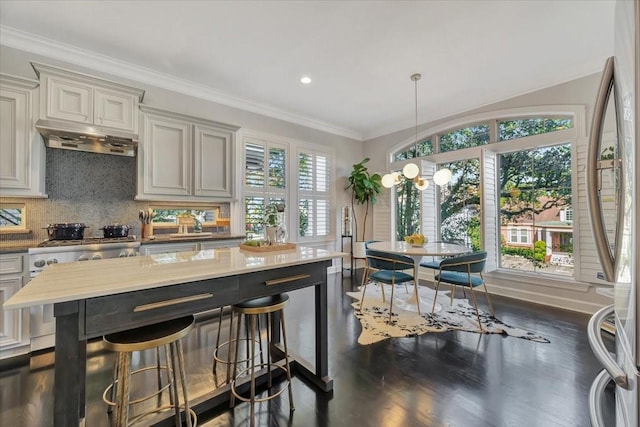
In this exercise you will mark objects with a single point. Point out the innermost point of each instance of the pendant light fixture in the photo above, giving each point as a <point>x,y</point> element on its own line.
<point>411,171</point>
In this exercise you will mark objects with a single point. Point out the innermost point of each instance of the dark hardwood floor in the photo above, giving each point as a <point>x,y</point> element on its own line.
<point>437,379</point>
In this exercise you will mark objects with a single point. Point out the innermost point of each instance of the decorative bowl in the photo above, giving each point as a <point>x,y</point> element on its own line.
<point>415,241</point>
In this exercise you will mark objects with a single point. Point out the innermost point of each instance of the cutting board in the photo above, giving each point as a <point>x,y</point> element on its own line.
<point>272,248</point>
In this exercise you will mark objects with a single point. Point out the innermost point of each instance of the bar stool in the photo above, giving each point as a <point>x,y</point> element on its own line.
<point>251,310</point>
<point>230,359</point>
<point>164,335</point>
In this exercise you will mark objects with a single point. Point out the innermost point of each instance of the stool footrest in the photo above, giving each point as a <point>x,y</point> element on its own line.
<point>258,368</point>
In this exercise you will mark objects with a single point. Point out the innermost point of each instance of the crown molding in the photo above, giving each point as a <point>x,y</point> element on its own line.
<point>35,44</point>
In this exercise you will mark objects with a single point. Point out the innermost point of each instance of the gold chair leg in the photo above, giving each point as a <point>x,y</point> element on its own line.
<point>486,292</point>
<point>475,304</point>
<point>489,300</point>
<point>364,286</point>
<point>393,285</point>
<point>416,283</point>
<point>435,298</point>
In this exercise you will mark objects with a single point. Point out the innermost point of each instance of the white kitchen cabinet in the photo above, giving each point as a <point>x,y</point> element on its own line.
<point>164,248</point>
<point>217,244</point>
<point>22,162</point>
<point>212,161</point>
<point>184,158</point>
<point>81,98</point>
<point>14,327</point>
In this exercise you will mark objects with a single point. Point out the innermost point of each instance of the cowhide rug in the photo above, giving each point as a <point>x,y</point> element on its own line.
<point>406,322</point>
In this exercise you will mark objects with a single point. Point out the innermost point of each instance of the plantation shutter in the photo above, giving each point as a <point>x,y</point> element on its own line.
<point>382,228</point>
<point>313,194</point>
<point>489,208</point>
<point>430,212</point>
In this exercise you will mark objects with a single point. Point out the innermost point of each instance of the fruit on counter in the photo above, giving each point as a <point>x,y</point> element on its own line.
<point>415,239</point>
<point>256,243</point>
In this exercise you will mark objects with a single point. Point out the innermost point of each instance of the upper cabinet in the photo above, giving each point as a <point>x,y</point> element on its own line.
<point>184,158</point>
<point>81,98</point>
<point>23,153</point>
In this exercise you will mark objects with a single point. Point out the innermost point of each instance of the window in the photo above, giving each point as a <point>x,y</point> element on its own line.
<point>512,129</point>
<point>422,148</point>
<point>566,215</point>
<point>213,217</point>
<point>265,182</point>
<point>314,219</point>
<point>466,137</point>
<point>529,179</point>
<point>518,235</point>
<point>460,204</point>
<point>407,210</point>
<point>535,191</point>
<point>12,216</point>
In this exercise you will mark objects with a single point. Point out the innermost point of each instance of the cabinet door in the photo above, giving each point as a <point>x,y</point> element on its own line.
<point>14,324</point>
<point>14,138</point>
<point>212,161</point>
<point>217,244</point>
<point>116,110</point>
<point>69,100</point>
<point>169,249</point>
<point>166,156</point>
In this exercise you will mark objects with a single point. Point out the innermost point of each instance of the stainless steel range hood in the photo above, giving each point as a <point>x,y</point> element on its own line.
<point>74,136</point>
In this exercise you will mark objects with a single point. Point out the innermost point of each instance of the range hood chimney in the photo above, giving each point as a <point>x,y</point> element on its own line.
<point>92,139</point>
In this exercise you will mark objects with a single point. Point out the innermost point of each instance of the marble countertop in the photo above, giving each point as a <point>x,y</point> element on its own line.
<point>80,280</point>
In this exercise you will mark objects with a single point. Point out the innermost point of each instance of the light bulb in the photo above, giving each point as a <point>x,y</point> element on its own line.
<point>442,177</point>
<point>388,180</point>
<point>421,184</point>
<point>410,170</point>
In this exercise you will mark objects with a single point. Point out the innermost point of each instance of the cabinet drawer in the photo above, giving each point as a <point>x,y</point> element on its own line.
<point>270,282</point>
<point>10,264</point>
<point>133,309</point>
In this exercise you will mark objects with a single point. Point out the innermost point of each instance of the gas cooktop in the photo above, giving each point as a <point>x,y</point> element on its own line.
<point>86,241</point>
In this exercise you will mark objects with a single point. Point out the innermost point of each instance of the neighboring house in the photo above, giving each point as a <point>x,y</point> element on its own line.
<point>554,226</point>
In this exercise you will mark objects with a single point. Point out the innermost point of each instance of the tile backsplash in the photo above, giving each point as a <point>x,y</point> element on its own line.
<point>95,189</point>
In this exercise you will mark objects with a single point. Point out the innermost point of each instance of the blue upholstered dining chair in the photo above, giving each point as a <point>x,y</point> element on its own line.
<point>434,264</point>
<point>389,269</point>
<point>465,271</point>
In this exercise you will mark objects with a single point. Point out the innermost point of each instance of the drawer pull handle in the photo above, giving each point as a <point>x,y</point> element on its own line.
<point>169,302</point>
<point>287,279</point>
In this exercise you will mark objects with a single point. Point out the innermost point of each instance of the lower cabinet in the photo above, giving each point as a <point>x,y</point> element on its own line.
<point>14,326</point>
<point>163,248</point>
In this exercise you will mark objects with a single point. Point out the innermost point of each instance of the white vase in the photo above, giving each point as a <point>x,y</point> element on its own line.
<point>271,233</point>
<point>359,250</point>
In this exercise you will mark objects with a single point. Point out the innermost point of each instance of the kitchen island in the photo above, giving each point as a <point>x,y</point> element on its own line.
<point>95,298</point>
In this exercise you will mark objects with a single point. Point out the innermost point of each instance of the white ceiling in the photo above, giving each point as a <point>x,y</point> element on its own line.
<point>360,54</point>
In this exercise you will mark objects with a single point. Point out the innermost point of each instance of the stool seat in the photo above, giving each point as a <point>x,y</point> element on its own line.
<point>263,304</point>
<point>150,336</point>
<point>164,335</point>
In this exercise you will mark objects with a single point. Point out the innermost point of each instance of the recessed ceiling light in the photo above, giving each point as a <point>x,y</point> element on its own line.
<point>305,80</point>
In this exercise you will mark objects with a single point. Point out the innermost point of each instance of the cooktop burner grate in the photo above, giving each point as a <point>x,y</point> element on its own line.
<point>86,241</point>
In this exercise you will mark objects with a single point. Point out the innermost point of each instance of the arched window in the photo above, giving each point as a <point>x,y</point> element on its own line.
<point>518,166</point>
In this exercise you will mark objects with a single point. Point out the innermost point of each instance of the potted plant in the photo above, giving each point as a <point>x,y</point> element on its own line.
<point>364,188</point>
<point>274,223</point>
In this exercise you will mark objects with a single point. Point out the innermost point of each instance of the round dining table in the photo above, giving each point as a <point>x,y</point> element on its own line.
<point>417,252</point>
